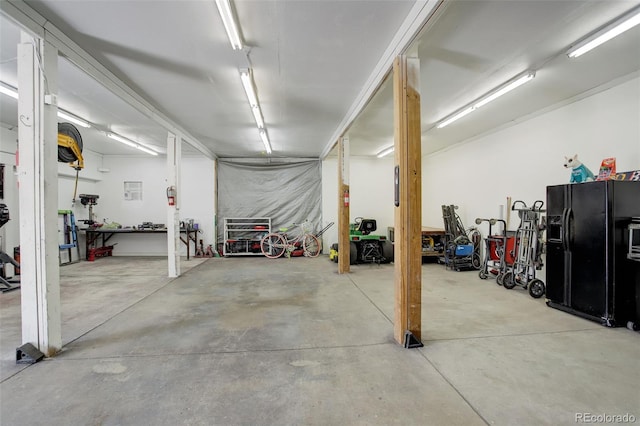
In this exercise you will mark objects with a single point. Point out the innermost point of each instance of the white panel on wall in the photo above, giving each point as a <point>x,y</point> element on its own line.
<point>522,160</point>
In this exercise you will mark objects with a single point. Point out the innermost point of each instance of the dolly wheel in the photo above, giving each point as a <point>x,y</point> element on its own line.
<point>482,274</point>
<point>500,279</point>
<point>475,261</point>
<point>508,281</point>
<point>536,288</point>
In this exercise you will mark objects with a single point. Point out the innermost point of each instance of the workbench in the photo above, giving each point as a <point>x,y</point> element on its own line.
<point>432,240</point>
<point>94,234</point>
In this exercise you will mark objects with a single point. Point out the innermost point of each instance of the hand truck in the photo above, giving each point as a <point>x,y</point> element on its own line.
<point>494,264</point>
<point>528,250</point>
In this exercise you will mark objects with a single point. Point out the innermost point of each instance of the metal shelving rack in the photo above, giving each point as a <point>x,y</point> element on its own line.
<point>242,235</point>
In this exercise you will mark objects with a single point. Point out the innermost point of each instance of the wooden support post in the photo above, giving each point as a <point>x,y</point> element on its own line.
<point>408,210</point>
<point>38,194</point>
<point>344,246</point>
<point>174,145</point>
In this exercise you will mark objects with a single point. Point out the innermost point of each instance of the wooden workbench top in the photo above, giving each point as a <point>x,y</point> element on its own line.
<point>426,230</point>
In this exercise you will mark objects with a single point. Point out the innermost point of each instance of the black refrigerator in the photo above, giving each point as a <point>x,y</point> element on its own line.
<point>587,270</point>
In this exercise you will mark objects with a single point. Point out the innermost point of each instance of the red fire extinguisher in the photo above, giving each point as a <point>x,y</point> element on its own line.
<point>346,198</point>
<point>171,195</point>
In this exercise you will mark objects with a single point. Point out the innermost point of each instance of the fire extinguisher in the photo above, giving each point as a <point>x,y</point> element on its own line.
<point>346,198</point>
<point>171,195</point>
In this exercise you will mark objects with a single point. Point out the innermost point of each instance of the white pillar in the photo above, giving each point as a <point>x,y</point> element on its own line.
<point>215,206</point>
<point>174,157</point>
<point>38,194</point>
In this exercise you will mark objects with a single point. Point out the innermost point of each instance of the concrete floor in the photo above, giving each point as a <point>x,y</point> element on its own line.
<point>253,341</point>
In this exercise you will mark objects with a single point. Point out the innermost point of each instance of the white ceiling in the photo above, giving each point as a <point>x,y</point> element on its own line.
<point>311,59</point>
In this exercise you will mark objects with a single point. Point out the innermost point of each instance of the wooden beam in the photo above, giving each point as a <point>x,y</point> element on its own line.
<point>38,194</point>
<point>344,245</point>
<point>408,210</point>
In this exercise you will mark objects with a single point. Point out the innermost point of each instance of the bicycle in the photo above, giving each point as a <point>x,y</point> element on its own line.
<point>276,244</point>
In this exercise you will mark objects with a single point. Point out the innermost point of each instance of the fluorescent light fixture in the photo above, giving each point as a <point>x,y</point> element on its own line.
<point>121,139</point>
<point>8,90</point>
<point>230,25</point>
<point>257,114</point>
<point>249,88</point>
<point>265,140</point>
<point>386,151</point>
<point>606,33</point>
<point>66,116</point>
<point>507,87</point>
<point>517,81</point>
<point>455,117</point>
<point>147,150</point>
<point>130,143</point>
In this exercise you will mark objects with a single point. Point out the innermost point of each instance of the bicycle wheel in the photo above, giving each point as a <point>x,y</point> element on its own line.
<point>311,245</point>
<point>273,245</point>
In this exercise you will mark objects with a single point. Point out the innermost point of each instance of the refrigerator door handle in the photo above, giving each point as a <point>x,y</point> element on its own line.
<point>565,229</point>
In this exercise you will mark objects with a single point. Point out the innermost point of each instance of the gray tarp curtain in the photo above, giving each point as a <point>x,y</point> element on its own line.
<point>286,192</point>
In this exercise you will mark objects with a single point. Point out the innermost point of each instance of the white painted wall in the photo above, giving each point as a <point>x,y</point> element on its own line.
<point>196,198</point>
<point>371,190</point>
<point>522,160</point>
<point>518,161</point>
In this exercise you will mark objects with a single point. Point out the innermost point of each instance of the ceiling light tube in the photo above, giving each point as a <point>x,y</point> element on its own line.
<point>121,139</point>
<point>147,150</point>
<point>8,90</point>
<point>265,140</point>
<point>257,114</point>
<point>230,25</point>
<point>386,151</point>
<point>66,116</point>
<point>507,87</point>
<point>455,117</point>
<point>130,143</point>
<point>249,88</point>
<point>517,81</point>
<point>606,33</point>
